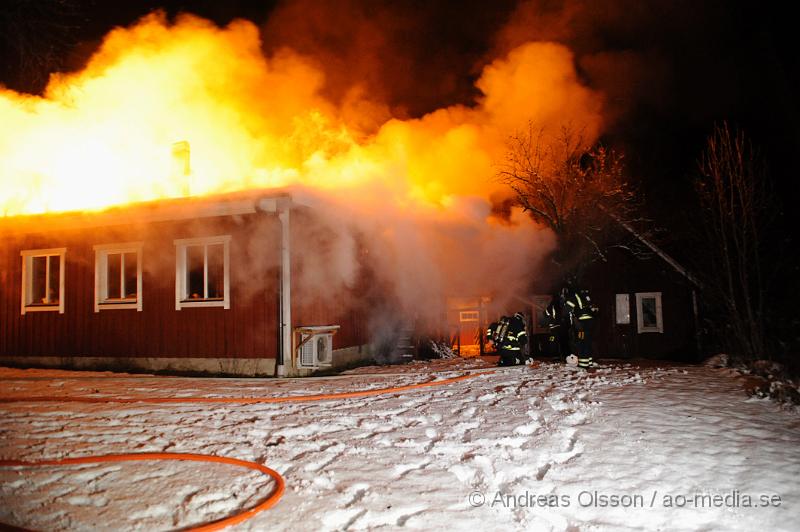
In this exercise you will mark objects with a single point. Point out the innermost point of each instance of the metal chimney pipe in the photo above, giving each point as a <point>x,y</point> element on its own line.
<point>181,165</point>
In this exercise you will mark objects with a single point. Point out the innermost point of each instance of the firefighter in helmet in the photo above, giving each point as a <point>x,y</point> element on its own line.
<point>582,314</point>
<point>558,325</point>
<point>511,340</point>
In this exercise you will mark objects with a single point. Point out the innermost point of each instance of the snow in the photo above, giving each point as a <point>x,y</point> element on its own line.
<point>522,448</point>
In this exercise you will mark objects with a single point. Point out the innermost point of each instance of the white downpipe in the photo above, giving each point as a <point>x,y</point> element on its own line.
<point>286,294</point>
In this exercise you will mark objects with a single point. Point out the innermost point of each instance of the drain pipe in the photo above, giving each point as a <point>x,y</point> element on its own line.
<point>281,206</point>
<point>285,355</point>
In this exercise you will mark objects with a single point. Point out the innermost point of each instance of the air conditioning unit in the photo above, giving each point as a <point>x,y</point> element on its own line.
<point>316,350</point>
<point>313,345</point>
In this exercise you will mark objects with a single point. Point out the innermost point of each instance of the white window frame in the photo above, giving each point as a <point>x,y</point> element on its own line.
<point>101,253</point>
<point>622,309</point>
<point>27,281</point>
<point>469,315</point>
<point>180,271</point>
<point>641,328</point>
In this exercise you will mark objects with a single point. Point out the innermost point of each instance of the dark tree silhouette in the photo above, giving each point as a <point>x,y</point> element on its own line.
<point>580,192</point>
<point>738,207</point>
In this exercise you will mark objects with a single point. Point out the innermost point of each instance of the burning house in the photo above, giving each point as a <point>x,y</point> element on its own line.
<point>215,285</point>
<point>184,108</point>
<point>242,283</point>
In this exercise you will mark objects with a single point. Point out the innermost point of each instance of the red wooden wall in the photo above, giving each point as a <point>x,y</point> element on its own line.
<point>328,299</point>
<point>248,329</point>
<point>625,275</point>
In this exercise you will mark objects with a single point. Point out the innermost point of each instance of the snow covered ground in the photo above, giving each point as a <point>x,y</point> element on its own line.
<point>544,448</point>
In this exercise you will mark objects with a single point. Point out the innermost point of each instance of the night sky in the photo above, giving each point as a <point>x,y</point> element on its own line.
<point>669,69</point>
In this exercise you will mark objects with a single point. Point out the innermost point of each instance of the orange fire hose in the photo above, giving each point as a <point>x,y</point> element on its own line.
<point>237,400</point>
<point>270,501</point>
<point>276,493</point>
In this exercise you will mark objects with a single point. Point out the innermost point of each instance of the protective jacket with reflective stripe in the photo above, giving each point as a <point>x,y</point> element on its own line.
<point>512,333</point>
<point>580,305</point>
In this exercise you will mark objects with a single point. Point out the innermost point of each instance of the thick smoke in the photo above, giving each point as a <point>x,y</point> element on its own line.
<point>419,195</point>
<point>403,58</point>
<point>660,57</point>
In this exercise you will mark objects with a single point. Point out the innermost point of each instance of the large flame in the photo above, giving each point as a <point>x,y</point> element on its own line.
<point>187,109</point>
<point>107,135</point>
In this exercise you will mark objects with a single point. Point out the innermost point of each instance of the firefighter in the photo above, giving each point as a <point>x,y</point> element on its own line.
<point>491,331</point>
<point>582,313</point>
<point>519,322</point>
<point>557,322</point>
<point>511,340</point>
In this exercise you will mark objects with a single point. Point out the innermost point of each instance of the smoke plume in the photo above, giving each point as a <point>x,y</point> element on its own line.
<point>420,192</point>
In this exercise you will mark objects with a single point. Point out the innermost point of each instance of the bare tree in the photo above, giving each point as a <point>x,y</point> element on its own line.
<point>737,202</point>
<point>580,192</point>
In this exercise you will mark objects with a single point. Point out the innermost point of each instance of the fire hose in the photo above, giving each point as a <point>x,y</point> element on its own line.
<point>279,488</point>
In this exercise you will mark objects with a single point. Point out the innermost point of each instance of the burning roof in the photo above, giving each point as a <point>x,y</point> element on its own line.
<point>174,109</point>
<point>168,209</point>
<point>106,135</point>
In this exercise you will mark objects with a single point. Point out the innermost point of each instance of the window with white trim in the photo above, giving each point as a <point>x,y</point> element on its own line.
<point>118,276</point>
<point>623,309</point>
<point>468,315</point>
<point>648,312</point>
<point>202,272</point>
<point>43,280</point>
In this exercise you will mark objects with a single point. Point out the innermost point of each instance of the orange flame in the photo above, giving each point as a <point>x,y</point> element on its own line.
<point>107,135</point>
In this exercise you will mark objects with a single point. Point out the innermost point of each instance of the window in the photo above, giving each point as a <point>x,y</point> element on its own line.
<point>648,312</point>
<point>202,272</point>
<point>468,315</point>
<point>43,280</point>
<point>118,276</point>
<point>623,309</point>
